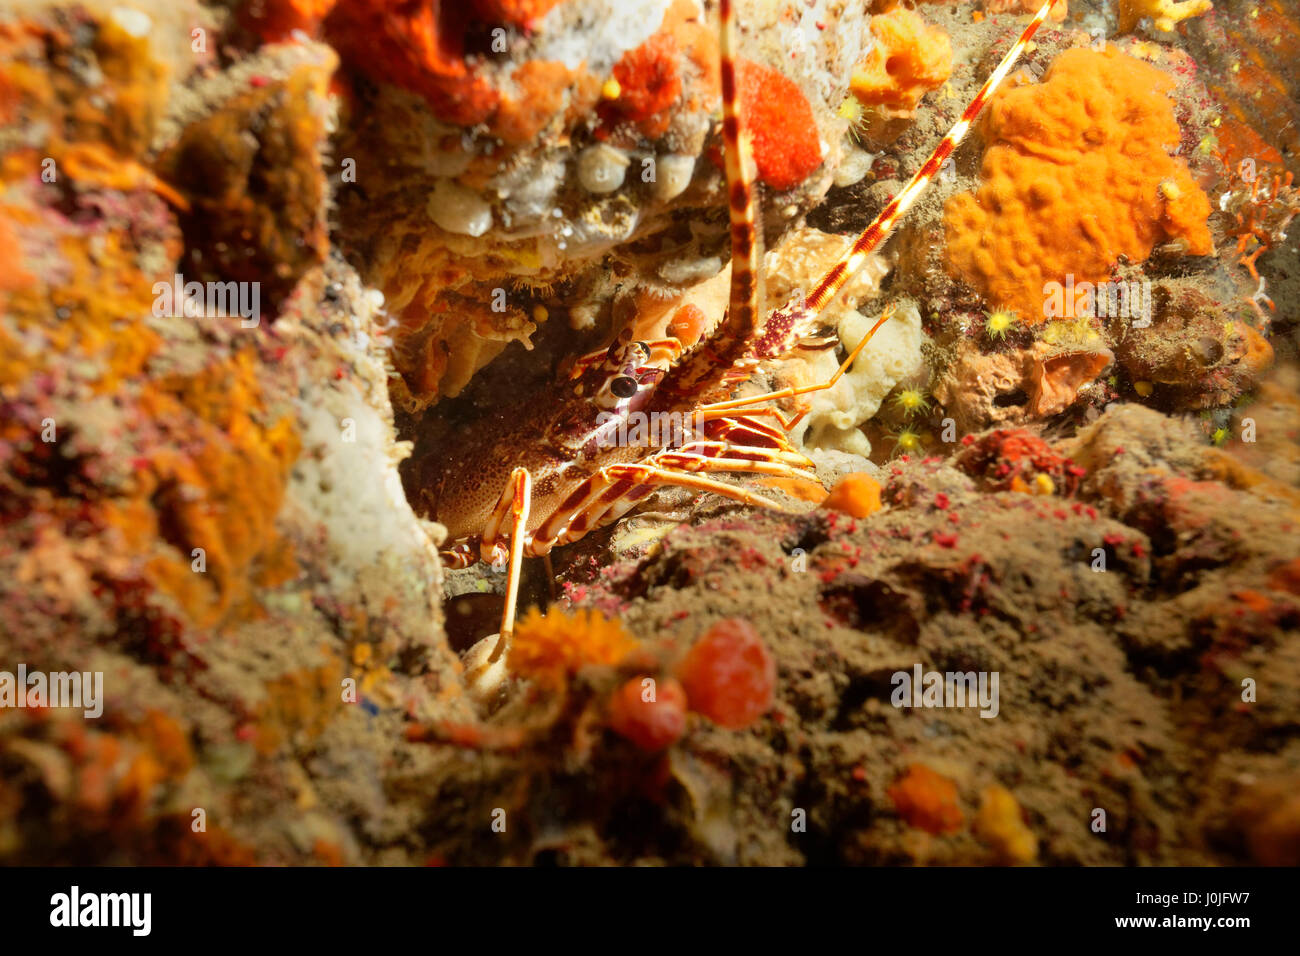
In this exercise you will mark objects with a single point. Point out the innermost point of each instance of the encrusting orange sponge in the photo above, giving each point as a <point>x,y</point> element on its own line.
<point>910,57</point>
<point>1164,14</point>
<point>1077,173</point>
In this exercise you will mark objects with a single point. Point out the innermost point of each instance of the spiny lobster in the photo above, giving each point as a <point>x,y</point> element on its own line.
<point>561,474</point>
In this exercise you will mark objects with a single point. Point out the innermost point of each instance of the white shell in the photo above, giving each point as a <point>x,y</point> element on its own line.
<point>857,163</point>
<point>133,22</point>
<point>672,175</point>
<point>459,210</point>
<point>601,168</point>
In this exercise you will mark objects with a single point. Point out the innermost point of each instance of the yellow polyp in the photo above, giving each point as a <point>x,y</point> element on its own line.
<point>540,314</point>
<point>1170,191</point>
<point>1144,388</point>
<point>1001,826</point>
<point>1043,485</point>
<point>611,90</point>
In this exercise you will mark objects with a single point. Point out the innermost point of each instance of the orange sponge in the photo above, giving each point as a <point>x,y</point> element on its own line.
<point>1077,173</point>
<point>910,57</point>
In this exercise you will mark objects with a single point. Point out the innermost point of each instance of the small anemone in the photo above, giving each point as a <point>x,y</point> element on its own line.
<point>907,441</point>
<point>911,401</point>
<point>999,322</point>
<point>853,111</point>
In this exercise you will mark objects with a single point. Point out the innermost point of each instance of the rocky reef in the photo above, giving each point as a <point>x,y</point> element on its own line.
<point>265,264</point>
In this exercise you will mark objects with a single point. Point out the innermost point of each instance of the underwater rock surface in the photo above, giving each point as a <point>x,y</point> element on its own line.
<point>265,265</point>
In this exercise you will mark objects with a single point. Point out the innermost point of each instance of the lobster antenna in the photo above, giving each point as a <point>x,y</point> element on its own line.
<point>729,340</point>
<point>878,231</point>
<point>742,311</point>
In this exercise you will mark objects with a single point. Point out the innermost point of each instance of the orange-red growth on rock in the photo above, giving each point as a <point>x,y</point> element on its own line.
<point>1077,173</point>
<point>650,81</point>
<point>910,57</point>
<point>274,20</point>
<point>926,800</point>
<point>729,674</point>
<point>650,714</point>
<point>418,46</point>
<point>1014,459</point>
<point>787,145</point>
<point>856,495</point>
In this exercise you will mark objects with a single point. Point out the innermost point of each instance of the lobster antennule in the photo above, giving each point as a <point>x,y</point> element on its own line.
<point>878,231</point>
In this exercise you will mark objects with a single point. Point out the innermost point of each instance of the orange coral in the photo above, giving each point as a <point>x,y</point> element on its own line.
<point>910,57</point>
<point>554,646</point>
<point>647,81</point>
<point>1263,202</point>
<point>541,85</point>
<point>1076,175</point>
<point>927,800</point>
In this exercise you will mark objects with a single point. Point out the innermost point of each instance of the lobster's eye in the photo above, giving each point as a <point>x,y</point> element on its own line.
<point>624,386</point>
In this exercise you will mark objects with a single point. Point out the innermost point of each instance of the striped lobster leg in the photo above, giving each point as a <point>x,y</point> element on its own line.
<point>515,504</point>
